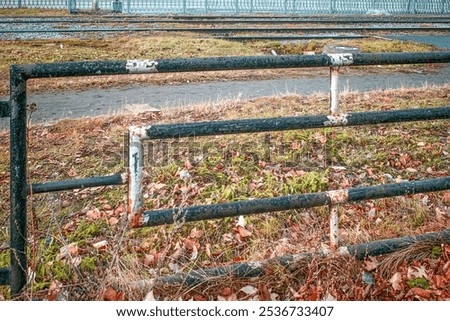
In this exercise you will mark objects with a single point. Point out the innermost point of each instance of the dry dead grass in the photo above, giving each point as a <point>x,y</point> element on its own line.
<point>159,46</point>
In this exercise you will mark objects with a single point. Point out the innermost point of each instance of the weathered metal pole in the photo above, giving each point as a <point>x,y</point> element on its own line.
<point>117,179</point>
<point>18,180</point>
<point>339,56</point>
<point>290,202</point>
<point>135,164</point>
<point>254,269</point>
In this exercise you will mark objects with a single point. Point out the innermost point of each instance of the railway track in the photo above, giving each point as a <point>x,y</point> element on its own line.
<point>232,30</point>
<point>239,28</point>
<point>234,19</point>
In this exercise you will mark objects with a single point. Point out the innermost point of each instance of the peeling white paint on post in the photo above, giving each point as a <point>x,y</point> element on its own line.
<point>334,90</point>
<point>337,60</point>
<point>135,164</point>
<point>340,59</point>
<point>336,197</point>
<point>141,66</point>
<point>334,227</point>
<point>337,120</point>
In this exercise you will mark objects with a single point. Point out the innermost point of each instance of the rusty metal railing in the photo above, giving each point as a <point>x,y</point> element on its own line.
<point>15,108</point>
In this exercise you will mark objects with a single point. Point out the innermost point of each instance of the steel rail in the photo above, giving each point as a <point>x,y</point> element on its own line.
<point>226,30</point>
<point>225,21</point>
<point>258,268</point>
<point>283,203</point>
<point>121,67</point>
<point>287,37</point>
<point>241,126</point>
<point>117,179</point>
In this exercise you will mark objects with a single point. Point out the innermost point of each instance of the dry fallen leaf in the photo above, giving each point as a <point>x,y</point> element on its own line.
<point>249,290</point>
<point>422,292</point>
<point>150,260</point>
<point>226,291</point>
<point>72,172</point>
<point>119,210</point>
<point>195,233</point>
<point>396,281</point>
<point>194,254</point>
<point>113,221</point>
<point>66,251</point>
<point>191,244</point>
<point>110,294</point>
<point>416,272</point>
<point>243,232</point>
<point>371,263</point>
<point>93,214</point>
<point>53,291</point>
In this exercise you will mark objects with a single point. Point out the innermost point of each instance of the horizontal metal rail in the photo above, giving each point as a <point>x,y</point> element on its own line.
<point>290,123</point>
<point>258,268</point>
<point>117,179</point>
<point>4,276</point>
<point>290,202</point>
<point>225,30</point>
<point>121,67</point>
<point>288,37</point>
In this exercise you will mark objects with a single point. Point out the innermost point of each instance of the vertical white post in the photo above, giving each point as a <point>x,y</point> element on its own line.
<point>334,107</point>
<point>336,198</point>
<point>334,90</point>
<point>334,227</point>
<point>135,164</point>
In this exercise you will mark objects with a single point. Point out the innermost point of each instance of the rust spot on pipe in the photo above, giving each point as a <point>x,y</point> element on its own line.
<point>135,220</point>
<point>338,197</point>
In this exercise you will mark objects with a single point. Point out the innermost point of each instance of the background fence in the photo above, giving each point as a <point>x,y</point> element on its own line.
<point>242,6</point>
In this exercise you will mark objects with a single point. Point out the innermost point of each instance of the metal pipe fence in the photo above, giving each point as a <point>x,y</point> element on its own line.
<point>16,109</point>
<point>241,6</point>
